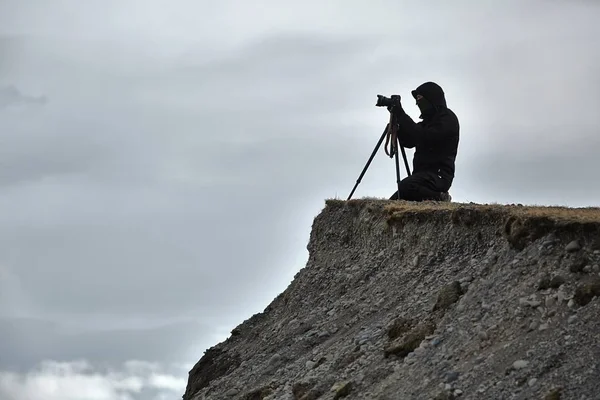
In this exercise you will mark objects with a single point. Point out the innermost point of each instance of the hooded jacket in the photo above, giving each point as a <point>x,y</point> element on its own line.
<point>435,138</point>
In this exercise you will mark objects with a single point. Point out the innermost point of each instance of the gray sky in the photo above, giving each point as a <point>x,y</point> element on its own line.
<point>162,161</point>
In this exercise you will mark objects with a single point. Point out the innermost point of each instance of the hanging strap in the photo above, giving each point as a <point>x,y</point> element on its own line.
<point>391,136</point>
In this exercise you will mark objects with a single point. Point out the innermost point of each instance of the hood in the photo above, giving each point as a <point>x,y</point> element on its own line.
<point>432,92</point>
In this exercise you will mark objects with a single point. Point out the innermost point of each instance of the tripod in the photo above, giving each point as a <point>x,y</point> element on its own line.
<point>395,145</point>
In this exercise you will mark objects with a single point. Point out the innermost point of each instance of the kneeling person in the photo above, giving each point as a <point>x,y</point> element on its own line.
<point>435,140</point>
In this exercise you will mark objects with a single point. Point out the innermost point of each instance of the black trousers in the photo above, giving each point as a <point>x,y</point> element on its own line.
<point>421,186</point>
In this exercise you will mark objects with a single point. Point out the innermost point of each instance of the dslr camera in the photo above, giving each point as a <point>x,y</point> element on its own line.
<point>389,102</point>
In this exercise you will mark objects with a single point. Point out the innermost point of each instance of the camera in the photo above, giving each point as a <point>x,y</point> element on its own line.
<point>383,101</point>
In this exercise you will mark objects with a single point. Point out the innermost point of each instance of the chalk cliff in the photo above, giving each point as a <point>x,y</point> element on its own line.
<point>425,301</point>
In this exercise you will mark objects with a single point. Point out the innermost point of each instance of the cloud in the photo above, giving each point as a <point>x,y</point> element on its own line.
<point>80,380</point>
<point>11,96</point>
<point>554,176</point>
<point>104,178</point>
<point>103,339</point>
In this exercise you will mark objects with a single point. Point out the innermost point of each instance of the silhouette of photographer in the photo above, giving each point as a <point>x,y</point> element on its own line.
<point>435,140</point>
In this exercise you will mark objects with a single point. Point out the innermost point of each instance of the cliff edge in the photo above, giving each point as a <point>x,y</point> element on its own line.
<point>425,301</point>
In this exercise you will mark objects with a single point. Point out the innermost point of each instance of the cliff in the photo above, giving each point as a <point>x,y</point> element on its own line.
<point>425,301</point>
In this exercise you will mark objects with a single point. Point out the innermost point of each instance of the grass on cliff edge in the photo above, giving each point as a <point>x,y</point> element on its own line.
<point>580,214</point>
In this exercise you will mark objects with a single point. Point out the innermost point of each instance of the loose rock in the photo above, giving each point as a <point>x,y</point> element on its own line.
<point>586,291</point>
<point>409,342</point>
<point>573,246</point>
<point>554,394</point>
<point>577,264</point>
<point>448,295</point>
<point>341,389</point>
<point>557,281</point>
<point>532,382</point>
<point>452,376</point>
<point>520,364</point>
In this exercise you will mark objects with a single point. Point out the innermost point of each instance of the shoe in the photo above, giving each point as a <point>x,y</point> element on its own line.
<point>446,197</point>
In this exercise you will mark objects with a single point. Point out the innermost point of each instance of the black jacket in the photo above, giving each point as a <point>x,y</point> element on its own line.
<point>435,138</point>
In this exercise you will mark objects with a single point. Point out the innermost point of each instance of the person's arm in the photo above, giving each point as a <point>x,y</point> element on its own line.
<point>404,139</point>
<point>414,133</point>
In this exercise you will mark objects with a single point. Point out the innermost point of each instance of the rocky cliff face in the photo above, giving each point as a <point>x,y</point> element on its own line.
<point>425,301</point>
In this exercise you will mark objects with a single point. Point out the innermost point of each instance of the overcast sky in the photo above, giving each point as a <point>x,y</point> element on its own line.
<point>161,161</point>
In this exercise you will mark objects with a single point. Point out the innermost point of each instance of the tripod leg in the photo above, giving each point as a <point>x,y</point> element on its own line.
<point>404,156</point>
<point>368,162</point>
<point>397,168</point>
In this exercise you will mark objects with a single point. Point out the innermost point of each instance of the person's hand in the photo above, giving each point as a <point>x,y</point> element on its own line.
<point>397,103</point>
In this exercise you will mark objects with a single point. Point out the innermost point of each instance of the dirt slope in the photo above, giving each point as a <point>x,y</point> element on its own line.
<point>425,301</point>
